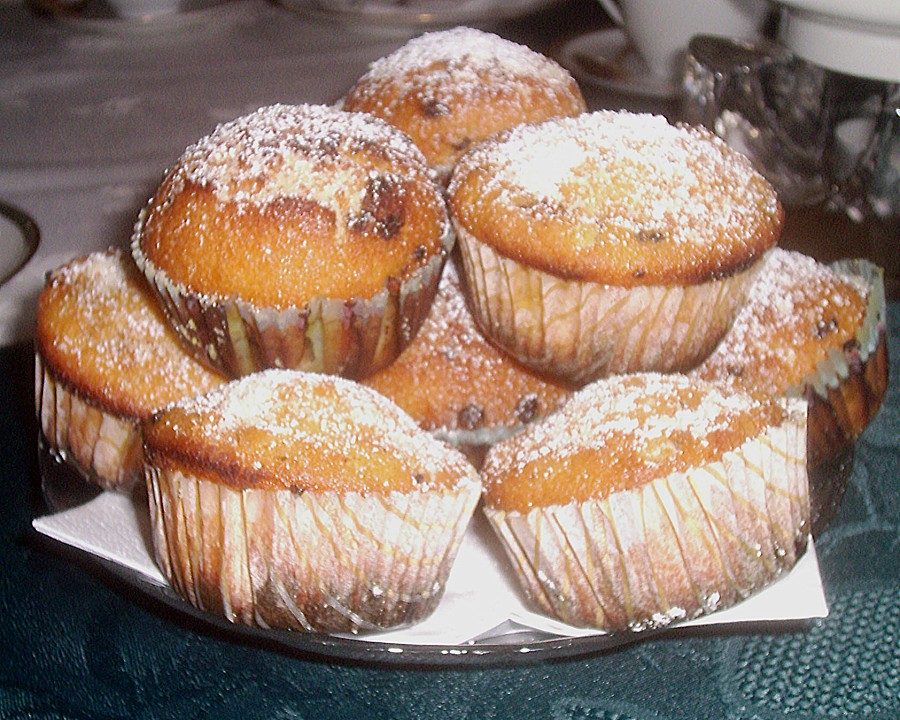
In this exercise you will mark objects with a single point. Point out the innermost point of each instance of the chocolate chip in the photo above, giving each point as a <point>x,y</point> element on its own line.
<point>651,235</point>
<point>383,210</point>
<point>826,328</point>
<point>735,371</point>
<point>470,417</point>
<point>434,108</point>
<point>527,407</point>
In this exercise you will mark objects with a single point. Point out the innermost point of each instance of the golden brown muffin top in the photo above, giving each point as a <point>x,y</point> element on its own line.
<point>99,332</point>
<point>450,88</point>
<point>451,378</point>
<point>285,429</point>
<point>290,203</point>
<point>621,433</point>
<point>616,198</point>
<point>797,310</point>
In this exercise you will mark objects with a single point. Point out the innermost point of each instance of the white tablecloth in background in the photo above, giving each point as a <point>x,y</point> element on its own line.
<point>91,114</point>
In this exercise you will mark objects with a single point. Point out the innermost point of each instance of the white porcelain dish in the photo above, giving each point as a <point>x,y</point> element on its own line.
<point>19,237</point>
<point>420,14</point>
<point>848,36</point>
<point>605,59</point>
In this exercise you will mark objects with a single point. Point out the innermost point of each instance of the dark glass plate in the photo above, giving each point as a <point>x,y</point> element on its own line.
<point>63,488</point>
<point>509,643</point>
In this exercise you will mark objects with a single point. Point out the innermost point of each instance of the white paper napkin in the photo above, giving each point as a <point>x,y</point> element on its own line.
<point>480,594</point>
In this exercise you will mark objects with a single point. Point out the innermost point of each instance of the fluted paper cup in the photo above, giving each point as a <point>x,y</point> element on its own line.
<point>678,547</point>
<point>581,331</point>
<point>313,561</point>
<point>347,337</point>
<point>103,447</point>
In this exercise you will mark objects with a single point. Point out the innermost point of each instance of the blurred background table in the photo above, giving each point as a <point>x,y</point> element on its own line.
<point>92,113</point>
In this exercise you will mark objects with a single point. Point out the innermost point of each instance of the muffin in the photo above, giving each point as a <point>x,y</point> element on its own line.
<point>458,385</point>
<point>609,243</point>
<point>304,501</point>
<point>818,332</point>
<point>105,359</point>
<point>448,89</point>
<point>651,498</point>
<point>301,237</point>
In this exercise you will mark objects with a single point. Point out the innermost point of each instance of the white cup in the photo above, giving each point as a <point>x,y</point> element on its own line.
<point>659,30</point>
<point>123,9</point>
<point>130,9</point>
<point>142,8</point>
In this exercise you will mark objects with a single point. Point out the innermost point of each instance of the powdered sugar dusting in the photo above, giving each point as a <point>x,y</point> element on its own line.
<point>105,328</point>
<point>625,172</point>
<point>449,310</point>
<point>451,377</point>
<point>294,151</point>
<point>638,409</point>
<point>461,61</point>
<point>303,413</point>
<point>796,309</point>
<point>621,433</point>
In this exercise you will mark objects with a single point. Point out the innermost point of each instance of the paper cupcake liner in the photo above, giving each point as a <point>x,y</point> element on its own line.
<point>674,549</point>
<point>352,338</point>
<point>104,448</point>
<point>844,392</point>
<point>458,386</point>
<point>863,360</point>
<point>311,561</point>
<point>581,331</point>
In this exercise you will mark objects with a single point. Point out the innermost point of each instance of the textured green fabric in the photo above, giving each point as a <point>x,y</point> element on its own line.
<point>78,645</point>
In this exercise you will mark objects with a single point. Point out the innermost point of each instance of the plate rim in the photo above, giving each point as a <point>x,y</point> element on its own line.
<point>402,17</point>
<point>29,232</point>
<point>566,55</point>
<point>518,648</point>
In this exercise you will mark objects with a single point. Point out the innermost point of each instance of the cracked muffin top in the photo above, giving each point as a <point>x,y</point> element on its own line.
<point>294,202</point>
<point>617,198</point>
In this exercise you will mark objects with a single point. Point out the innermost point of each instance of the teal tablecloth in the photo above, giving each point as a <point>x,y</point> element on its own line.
<point>75,644</point>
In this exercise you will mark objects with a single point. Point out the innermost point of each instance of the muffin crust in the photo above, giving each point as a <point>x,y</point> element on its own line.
<point>796,310</point>
<point>293,202</point>
<point>100,333</point>
<point>282,429</point>
<point>616,198</point>
<point>451,88</point>
<point>619,434</point>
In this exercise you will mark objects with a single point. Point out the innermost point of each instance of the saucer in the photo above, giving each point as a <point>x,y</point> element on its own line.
<point>606,60</point>
<point>421,14</point>
<point>19,237</point>
<point>99,17</point>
